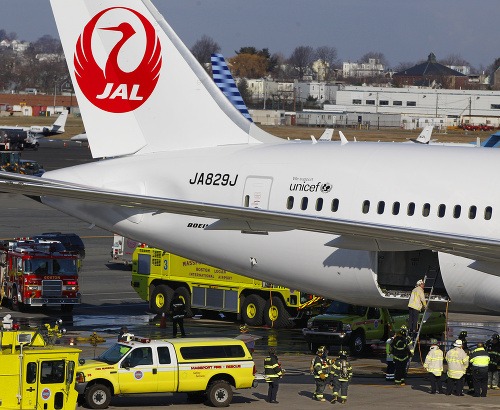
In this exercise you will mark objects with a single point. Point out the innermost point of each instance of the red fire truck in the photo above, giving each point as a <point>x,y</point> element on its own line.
<point>39,273</point>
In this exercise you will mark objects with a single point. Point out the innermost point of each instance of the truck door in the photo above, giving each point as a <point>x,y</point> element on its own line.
<point>52,387</point>
<point>374,325</point>
<point>137,372</point>
<point>168,373</point>
<point>29,386</point>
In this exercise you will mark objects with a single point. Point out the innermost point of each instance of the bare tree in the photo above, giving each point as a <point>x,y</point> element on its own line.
<point>203,49</point>
<point>454,59</point>
<point>301,59</point>
<point>328,56</point>
<point>380,57</point>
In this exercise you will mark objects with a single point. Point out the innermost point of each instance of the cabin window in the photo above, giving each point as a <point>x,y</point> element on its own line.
<point>319,204</point>
<point>370,102</point>
<point>411,103</point>
<point>383,102</point>
<point>31,369</point>
<point>487,213</point>
<point>381,207</point>
<point>411,209</point>
<point>426,209</point>
<point>303,203</point>
<point>357,102</point>
<point>441,210</point>
<point>52,372</point>
<point>472,212</point>
<point>395,208</point>
<point>397,103</point>
<point>289,202</point>
<point>335,205</point>
<point>457,210</point>
<point>247,201</point>
<point>366,207</point>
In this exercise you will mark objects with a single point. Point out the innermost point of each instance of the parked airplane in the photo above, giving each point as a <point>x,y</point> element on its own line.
<point>39,131</point>
<point>425,136</point>
<point>353,222</point>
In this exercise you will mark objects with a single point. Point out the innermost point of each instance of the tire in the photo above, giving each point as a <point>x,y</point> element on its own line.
<point>185,295</point>
<point>357,344</point>
<point>160,299</point>
<point>17,306</point>
<point>275,314</point>
<point>252,310</point>
<point>97,396</point>
<point>220,393</point>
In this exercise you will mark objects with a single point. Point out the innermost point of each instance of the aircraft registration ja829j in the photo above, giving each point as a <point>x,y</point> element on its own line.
<point>357,222</point>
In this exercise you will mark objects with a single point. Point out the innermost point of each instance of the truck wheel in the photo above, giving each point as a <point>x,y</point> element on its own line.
<point>220,393</point>
<point>160,299</point>
<point>97,396</point>
<point>357,344</point>
<point>185,295</point>
<point>275,314</point>
<point>252,310</point>
<point>17,306</point>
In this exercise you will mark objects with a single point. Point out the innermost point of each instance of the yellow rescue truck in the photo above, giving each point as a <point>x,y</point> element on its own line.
<point>204,368</point>
<point>34,375</point>
<point>157,274</point>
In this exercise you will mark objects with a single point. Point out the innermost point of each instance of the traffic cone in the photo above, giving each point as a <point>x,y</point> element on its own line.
<point>163,321</point>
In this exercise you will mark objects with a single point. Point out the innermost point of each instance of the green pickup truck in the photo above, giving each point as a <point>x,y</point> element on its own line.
<point>357,327</point>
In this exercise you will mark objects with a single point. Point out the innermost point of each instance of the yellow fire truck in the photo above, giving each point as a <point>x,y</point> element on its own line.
<point>34,375</point>
<point>157,274</point>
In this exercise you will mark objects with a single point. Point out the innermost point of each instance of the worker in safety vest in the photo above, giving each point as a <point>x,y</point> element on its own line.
<point>321,370</point>
<point>479,360</point>
<point>434,365</point>
<point>389,357</point>
<point>341,374</point>
<point>273,373</point>
<point>457,365</point>
<point>415,305</point>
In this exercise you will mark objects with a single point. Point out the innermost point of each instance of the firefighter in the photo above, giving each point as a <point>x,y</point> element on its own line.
<point>457,361</point>
<point>479,360</point>
<point>178,311</point>
<point>389,357</point>
<point>434,365</point>
<point>341,374</point>
<point>415,305</point>
<point>273,373</point>
<point>493,347</point>
<point>121,335</point>
<point>401,348</point>
<point>320,370</point>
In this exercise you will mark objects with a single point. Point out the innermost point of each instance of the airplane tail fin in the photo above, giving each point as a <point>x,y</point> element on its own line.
<point>131,72</point>
<point>425,136</point>
<point>60,122</point>
<point>225,81</point>
<point>327,135</point>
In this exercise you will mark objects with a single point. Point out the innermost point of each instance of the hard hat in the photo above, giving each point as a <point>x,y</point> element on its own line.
<point>420,282</point>
<point>343,354</point>
<point>495,336</point>
<point>243,328</point>
<point>462,334</point>
<point>434,341</point>
<point>321,350</point>
<point>458,343</point>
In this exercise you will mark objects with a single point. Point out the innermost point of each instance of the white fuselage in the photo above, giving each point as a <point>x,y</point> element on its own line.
<point>327,176</point>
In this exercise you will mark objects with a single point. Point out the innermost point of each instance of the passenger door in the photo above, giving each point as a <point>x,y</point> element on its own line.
<point>137,372</point>
<point>168,373</point>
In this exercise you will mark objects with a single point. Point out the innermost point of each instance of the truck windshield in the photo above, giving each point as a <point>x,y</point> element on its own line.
<point>341,308</point>
<point>114,353</point>
<point>50,266</point>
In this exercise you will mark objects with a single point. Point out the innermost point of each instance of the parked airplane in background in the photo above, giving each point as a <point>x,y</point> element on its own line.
<point>425,136</point>
<point>352,222</point>
<point>39,131</point>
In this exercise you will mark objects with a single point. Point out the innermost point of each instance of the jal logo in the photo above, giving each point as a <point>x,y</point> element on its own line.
<point>118,60</point>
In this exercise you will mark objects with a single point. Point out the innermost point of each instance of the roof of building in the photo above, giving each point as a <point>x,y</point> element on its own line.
<point>430,68</point>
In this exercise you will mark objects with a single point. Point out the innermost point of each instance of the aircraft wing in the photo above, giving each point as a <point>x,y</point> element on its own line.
<point>252,219</point>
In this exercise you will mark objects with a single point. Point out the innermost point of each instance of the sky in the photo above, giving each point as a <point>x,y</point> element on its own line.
<point>403,30</point>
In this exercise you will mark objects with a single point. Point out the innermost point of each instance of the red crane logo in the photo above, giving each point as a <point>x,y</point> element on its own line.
<point>113,89</point>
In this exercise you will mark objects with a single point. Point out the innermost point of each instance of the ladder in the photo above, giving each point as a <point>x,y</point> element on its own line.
<point>431,276</point>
